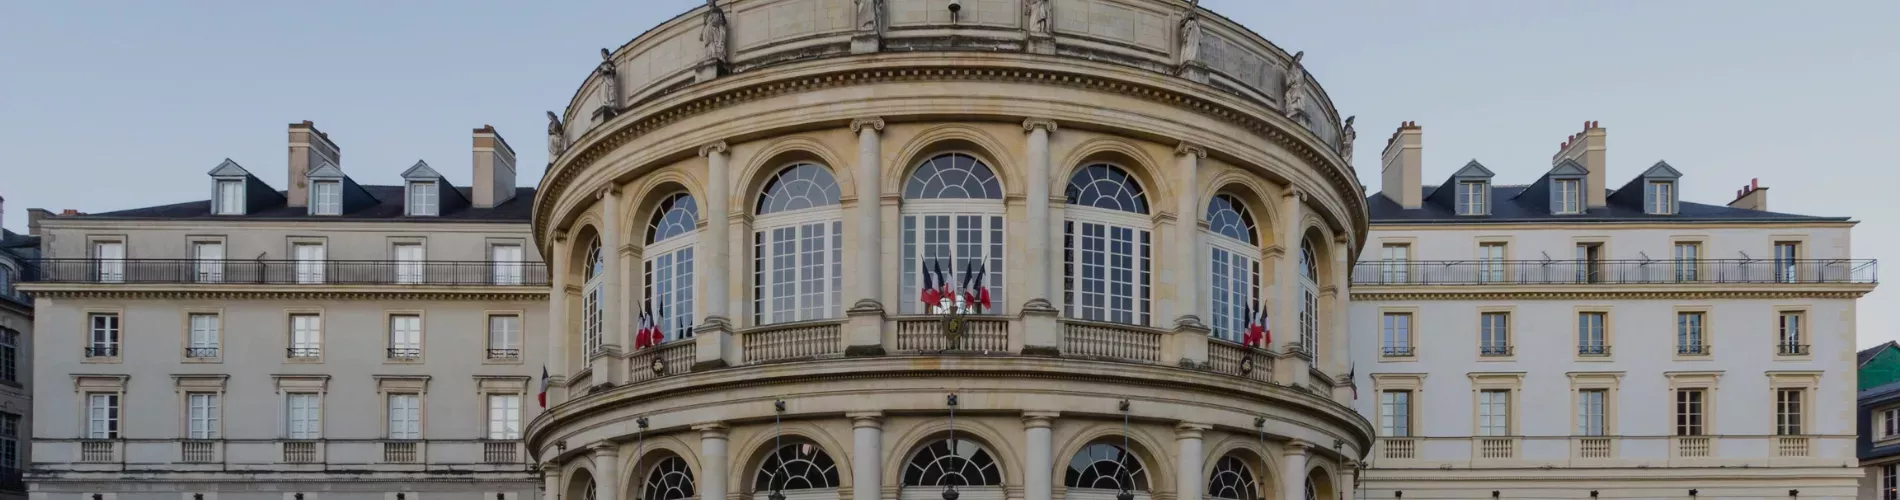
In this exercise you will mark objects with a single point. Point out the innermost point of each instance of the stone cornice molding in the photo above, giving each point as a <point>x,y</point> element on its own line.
<point>265,293</point>
<point>1599,293</point>
<point>875,123</point>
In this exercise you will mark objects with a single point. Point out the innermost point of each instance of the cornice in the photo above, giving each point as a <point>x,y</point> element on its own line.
<point>486,294</point>
<point>1599,293</point>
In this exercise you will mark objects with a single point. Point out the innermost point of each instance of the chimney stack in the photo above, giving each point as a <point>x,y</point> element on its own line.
<point>494,169</point>
<point>1403,165</point>
<point>33,216</point>
<point>1587,148</point>
<point>309,149</point>
<point>1751,197</point>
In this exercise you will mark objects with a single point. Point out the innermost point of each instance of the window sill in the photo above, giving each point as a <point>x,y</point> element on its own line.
<point>502,361</point>
<point>1398,359</point>
<point>1595,358</point>
<point>1797,357</point>
<point>1487,359</point>
<point>304,361</point>
<point>402,361</point>
<point>102,361</point>
<point>202,361</point>
<point>1694,357</point>
<point>12,383</point>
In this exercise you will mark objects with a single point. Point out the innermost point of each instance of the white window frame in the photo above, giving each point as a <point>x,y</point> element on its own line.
<point>815,232</point>
<point>1593,336</point>
<point>593,294</point>
<point>1309,299</point>
<point>405,416</point>
<point>1395,413</point>
<point>1395,334</point>
<point>1888,426</point>
<point>504,416</point>
<point>107,336</point>
<point>1692,332</point>
<point>1494,333</point>
<point>507,261</point>
<point>1658,197</point>
<point>503,336</point>
<point>306,332</point>
<point>104,415</point>
<point>1787,261</point>
<point>1569,195</point>
<point>1694,409</point>
<point>303,416</point>
<point>1790,329</point>
<point>202,411</point>
<point>326,198</point>
<point>1232,264</point>
<point>230,196</point>
<point>204,333</point>
<point>111,260</point>
<point>915,230</point>
<point>1890,482</point>
<point>669,270</point>
<point>1140,231</point>
<point>1471,198</point>
<point>410,258</point>
<point>1395,263</point>
<point>1593,412</point>
<point>405,333</point>
<point>208,265</point>
<point>1491,261</point>
<point>1791,411</point>
<point>1494,412</point>
<point>310,261</point>
<point>424,200</point>
<point>1688,260</point>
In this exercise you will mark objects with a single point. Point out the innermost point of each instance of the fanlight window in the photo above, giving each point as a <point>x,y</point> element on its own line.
<point>1106,247</point>
<point>669,265</point>
<point>591,295</point>
<point>797,248</point>
<point>1234,267</point>
<point>952,229</point>
<point>670,480</point>
<point>587,490</point>
<point>937,464</point>
<point>1312,489</point>
<point>1309,297</point>
<point>1232,480</point>
<point>800,466</point>
<point>1106,466</point>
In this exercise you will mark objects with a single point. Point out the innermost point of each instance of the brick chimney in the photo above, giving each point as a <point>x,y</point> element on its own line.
<point>1751,197</point>
<point>1402,166</point>
<point>309,149</point>
<point>494,169</point>
<point>33,216</point>
<point>1587,148</point>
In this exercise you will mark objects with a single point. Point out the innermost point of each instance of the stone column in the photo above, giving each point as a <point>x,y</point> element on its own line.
<point>713,343</point>
<point>1349,481</point>
<point>1185,247</point>
<point>1038,457</point>
<point>1286,310</point>
<point>1293,470</point>
<point>867,443</point>
<point>557,319</point>
<point>1040,333</point>
<point>550,481</point>
<point>1188,451</point>
<point>606,471</point>
<point>1338,340</point>
<point>712,461</point>
<point>608,367</point>
<point>866,329</point>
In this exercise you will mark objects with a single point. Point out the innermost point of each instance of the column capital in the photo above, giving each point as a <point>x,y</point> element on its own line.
<point>712,430</point>
<point>1185,430</point>
<point>1295,193</point>
<point>1039,419</point>
<point>1190,149</point>
<point>610,190</point>
<point>863,419</point>
<point>1295,447</point>
<point>551,468</point>
<point>1030,125</point>
<point>875,123</point>
<point>605,449</point>
<point>712,149</point>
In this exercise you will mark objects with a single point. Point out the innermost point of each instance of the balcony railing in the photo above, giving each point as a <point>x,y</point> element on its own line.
<point>293,272</point>
<point>198,452</point>
<point>1692,446</point>
<point>930,334</point>
<point>1109,340</point>
<point>1596,447</point>
<point>1792,349</point>
<point>1540,272</point>
<point>671,358</point>
<point>405,353</point>
<point>504,354</point>
<point>1791,446</point>
<point>809,339</point>
<point>1593,350</point>
<point>301,452</point>
<point>1239,360</point>
<point>303,352</point>
<point>1494,448</point>
<point>1494,351</point>
<point>201,352</point>
<point>402,452</point>
<point>1694,350</point>
<point>99,451</point>
<point>500,452</point>
<point>102,351</point>
<point>1399,448</point>
<point>1396,351</point>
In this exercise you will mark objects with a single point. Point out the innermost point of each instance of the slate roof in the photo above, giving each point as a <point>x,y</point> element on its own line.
<point>1861,358</point>
<point>1508,206</point>
<point>388,207</point>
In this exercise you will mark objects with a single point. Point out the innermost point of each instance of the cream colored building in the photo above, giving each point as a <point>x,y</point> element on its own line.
<point>17,255</point>
<point>1127,177</point>
<point>336,340</point>
<point>1591,335</point>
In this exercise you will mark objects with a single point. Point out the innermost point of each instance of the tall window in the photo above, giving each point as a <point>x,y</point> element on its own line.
<point>303,415</point>
<point>405,416</point>
<point>1890,482</point>
<point>1590,412</point>
<point>1309,297</point>
<point>1395,336</point>
<point>1690,412</point>
<point>504,336</point>
<point>1494,334</point>
<point>326,198</point>
<point>1494,412</point>
<point>104,341</point>
<point>306,336</point>
<point>671,479</point>
<point>506,260</point>
<point>669,264</point>
<point>797,247</point>
<point>405,337</point>
<point>409,267</point>
<point>1658,198</point>
<point>1590,335</point>
<point>504,416</point>
<point>422,199</point>
<point>1395,413</point>
<point>593,298</point>
<point>1889,424</point>
<point>1788,411</point>
<point>1471,198</point>
<point>203,342</point>
<point>209,267</point>
<point>1394,261</point>
<point>111,261</point>
<point>1791,340</point>
<point>1106,247</point>
<point>102,415</point>
<point>1589,262</point>
<point>309,262</point>
<point>1233,479</point>
<point>201,415</point>
<point>1235,266</point>
<point>1491,262</point>
<point>9,441</point>
<point>1106,466</point>
<point>1785,254</point>
<point>1688,259</point>
<point>230,197</point>
<point>1690,339</point>
<point>1568,191</point>
<point>9,355</point>
<point>952,223</point>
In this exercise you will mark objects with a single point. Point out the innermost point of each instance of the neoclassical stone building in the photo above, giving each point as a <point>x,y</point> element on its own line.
<point>769,183</point>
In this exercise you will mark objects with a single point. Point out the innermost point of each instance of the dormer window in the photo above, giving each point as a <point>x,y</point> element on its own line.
<point>326,198</point>
<point>1471,198</point>
<point>1568,196</point>
<point>230,197</point>
<point>1659,198</point>
<point>423,200</point>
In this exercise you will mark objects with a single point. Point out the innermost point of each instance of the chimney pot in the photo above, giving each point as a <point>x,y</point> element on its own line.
<point>309,148</point>
<point>494,169</point>
<point>1402,166</point>
<point>69,212</point>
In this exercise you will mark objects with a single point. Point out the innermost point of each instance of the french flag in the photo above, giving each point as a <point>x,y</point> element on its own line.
<point>544,387</point>
<point>928,291</point>
<point>1259,334</point>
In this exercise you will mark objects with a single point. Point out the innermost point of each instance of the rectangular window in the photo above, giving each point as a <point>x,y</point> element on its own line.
<point>1395,413</point>
<point>203,340</point>
<point>1688,261</point>
<point>669,290</point>
<point>230,197</point>
<point>504,336</point>
<point>504,416</point>
<point>326,198</point>
<point>422,199</point>
<point>1658,198</point>
<point>1589,262</point>
<point>1491,262</point>
<point>1471,198</point>
<point>303,415</point>
<point>955,243</point>
<point>9,441</point>
<point>1590,335</point>
<point>104,341</point>
<point>306,336</point>
<point>1890,482</point>
<point>1785,264</point>
<point>405,337</point>
<point>1690,412</point>
<point>1109,269</point>
<point>1889,423</point>
<point>111,261</point>
<point>9,355</point>
<point>1591,411</point>
<point>1394,261</point>
<point>405,416</point>
<point>201,415</point>
<point>1494,334</point>
<point>310,263</point>
<point>409,268</point>
<point>1690,338</point>
<point>1792,340</point>
<point>1568,192</point>
<point>507,262</point>
<point>1788,411</point>
<point>1235,289</point>
<point>209,262</point>
<point>1397,335</point>
<point>102,415</point>
<point>1494,412</point>
<point>798,266</point>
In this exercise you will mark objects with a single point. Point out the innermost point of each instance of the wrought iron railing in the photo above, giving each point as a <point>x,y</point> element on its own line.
<point>293,272</point>
<point>1694,350</point>
<point>102,351</point>
<point>303,352</point>
<point>1792,349</point>
<point>1550,272</point>
<point>1494,350</point>
<point>1396,351</point>
<point>201,352</point>
<point>405,353</point>
<point>504,354</point>
<point>1593,350</point>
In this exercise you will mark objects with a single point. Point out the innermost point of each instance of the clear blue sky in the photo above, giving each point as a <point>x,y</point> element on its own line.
<point>119,104</point>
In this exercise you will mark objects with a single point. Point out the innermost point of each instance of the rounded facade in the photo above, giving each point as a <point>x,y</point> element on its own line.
<point>1026,249</point>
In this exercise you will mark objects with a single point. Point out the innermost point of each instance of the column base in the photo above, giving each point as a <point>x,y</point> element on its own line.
<point>1042,332</point>
<point>715,346</point>
<point>864,331</point>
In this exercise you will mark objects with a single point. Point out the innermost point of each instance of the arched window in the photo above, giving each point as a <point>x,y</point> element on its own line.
<point>1106,466</point>
<point>952,229</point>
<point>1234,265</point>
<point>1106,247</point>
<point>1309,297</point>
<point>1232,480</point>
<point>669,480</point>
<point>798,466</point>
<point>1312,490</point>
<point>669,264</point>
<point>937,464</point>
<point>592,300</point>
<point>797,248</point>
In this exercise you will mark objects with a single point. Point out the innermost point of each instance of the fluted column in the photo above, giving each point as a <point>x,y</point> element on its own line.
<point>870,267</point>
<point>612,335</point>
<point>1293,470</point>
<point>1038,456</point>
<point>606,471</point>
<point>867,441</point>
<point>1187,472</point>
<point>550,481</point>
<point>1037,291</point>
<point>712,461</point>
<point>557,319</point>
<point>1186,248</point>
<point>718,219</point>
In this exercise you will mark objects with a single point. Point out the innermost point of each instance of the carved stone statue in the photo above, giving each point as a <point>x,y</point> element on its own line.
<point>1040,17</point>
<point>869,14</point>
<point>557,137</point>
<point>610,81</point>
<point>1294,100</point>
<point>1191,33</point>
<point>713,33</point>
<point>1346,137</point>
